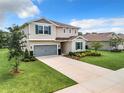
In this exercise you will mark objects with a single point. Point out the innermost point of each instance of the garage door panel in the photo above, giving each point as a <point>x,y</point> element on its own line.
<point>44,50</point>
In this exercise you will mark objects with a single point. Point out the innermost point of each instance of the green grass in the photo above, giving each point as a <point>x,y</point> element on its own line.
<point>108,60</point>
<point>36,77</point>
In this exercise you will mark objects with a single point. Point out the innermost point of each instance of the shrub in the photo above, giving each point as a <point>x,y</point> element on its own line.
<point>71,54</point>
<point>88,53</point>
<point>26,60</point>
<point>78,54</point>
<point>95,54</point>
<point>32,58</point>
<point>28,56</point>
<point>116,50</point>
<point>83,54</point>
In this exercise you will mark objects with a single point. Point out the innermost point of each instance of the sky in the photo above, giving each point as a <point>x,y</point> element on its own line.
<point>89,15</point>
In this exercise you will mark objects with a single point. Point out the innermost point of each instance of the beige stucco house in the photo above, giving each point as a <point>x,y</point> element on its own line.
<point>104,39</point>
<point>122,44</point>
<point>48,37</point>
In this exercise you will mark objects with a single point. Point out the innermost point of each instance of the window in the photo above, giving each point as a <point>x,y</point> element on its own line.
<point>75,31</point>
<point>43,29</point>
<point>47,30</point>
<point>40,29</point>
<point>69,30</point>
<point>64,30</point>
<point>79,45</point>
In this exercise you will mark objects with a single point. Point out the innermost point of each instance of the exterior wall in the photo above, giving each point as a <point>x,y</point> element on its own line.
<point>67,47</point>
<point>73,49</point>
<point>105,45</point>
<point>26,32</point>
<point>33,35</point>
<point>70,46</point>
<point>121,46</point>
<point>67,34</point>
<point>55,32</point>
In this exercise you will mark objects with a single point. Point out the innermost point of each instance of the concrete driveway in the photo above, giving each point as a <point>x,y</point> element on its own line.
<point>76,70</point>
<point>90,78</point>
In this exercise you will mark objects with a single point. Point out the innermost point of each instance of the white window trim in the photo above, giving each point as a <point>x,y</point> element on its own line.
<point>80,45</point>
<point>43,29</point>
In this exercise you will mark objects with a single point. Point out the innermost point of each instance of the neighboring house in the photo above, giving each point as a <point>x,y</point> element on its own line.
<point>48,37</point>
<point>121,46</point>
<point>102,38</point>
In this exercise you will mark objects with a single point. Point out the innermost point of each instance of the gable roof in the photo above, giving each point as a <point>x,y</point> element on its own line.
<point>121,36</point>
<point>62,38</point>
<point>58,24</point>
<point>100,36</point>
<point>71,38</point>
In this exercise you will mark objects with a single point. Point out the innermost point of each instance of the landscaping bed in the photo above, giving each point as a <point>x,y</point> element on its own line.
<point>78,55</point>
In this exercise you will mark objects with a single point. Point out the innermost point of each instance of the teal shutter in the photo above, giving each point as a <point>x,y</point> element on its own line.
<point>36,29</point>
<point>50,30</point>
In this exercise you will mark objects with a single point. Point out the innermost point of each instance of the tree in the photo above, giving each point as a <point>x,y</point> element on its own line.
<point>16,45</point>
<point>80,33</point>
<point>114,42</point>
<point>3,39</point>
<point>96,45</point>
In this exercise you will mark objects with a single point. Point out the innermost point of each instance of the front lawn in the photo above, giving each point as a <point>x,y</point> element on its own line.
<point>36,77</point>
<point>108,60</point>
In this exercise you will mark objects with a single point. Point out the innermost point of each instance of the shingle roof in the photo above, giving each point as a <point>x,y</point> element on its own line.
<point>70,38</point>
<point>121,36</point>
<point>99,36</point>
<point>44,20</point>
<point>63,25</point>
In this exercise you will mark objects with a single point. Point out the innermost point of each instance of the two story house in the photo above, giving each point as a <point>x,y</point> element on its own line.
<point>48,37</point>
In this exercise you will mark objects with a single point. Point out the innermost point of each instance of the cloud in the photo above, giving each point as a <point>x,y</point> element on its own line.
<point>39,1</point>
<point>1,19</point>
<point>22,8</point>
<point>100,25</point>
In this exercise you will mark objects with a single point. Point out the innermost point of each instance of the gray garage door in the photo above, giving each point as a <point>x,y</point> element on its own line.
<point>44,50</point>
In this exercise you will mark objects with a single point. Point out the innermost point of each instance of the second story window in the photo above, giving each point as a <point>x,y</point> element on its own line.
<point>43,29</point>
<point>47,30</point>
<point>64,30</point>
<point>40,29</point>
<point>69,30</point>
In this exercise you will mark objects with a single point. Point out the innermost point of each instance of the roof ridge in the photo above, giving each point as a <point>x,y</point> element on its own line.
<point>54,22</point>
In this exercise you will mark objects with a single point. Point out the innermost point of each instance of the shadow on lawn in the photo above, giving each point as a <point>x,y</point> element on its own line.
<point>4,77</point>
